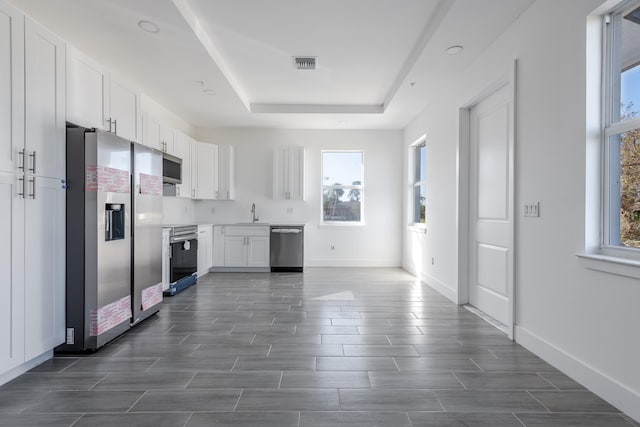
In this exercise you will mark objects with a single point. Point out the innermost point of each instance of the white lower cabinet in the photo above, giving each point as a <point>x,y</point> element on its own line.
<point>241,247</point>
<point>12,265</point>
<point>205,249</point>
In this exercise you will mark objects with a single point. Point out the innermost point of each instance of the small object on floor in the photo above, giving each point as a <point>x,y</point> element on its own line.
<point>181,285</point>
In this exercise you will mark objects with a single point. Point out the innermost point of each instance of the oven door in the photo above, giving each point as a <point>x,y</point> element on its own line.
<point>184,259</point>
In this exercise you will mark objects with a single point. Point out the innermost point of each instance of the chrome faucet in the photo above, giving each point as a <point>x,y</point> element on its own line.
<point>253,213</point>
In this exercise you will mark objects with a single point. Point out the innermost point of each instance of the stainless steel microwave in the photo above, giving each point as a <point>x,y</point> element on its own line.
<point>171,169</point>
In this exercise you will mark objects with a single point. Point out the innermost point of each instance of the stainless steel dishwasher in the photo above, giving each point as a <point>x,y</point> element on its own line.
<point>287,247</point>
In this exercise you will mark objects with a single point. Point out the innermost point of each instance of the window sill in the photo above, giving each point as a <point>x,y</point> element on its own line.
<point>416,228</point>
<point>341,225</point>
<point>610,264</point>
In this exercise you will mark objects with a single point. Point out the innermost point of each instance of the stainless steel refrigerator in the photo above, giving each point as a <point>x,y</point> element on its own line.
<point>114,273</point>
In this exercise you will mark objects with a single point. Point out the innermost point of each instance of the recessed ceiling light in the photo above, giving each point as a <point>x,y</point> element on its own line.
<point>208,92</point>
<point>454,50</point>
<point>148,26</point>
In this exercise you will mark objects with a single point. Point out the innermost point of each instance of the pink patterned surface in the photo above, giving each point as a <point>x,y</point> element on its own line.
<point>151,296</point>
<point>103,178</point>
<point>109,316</point>
<point>150,184</point>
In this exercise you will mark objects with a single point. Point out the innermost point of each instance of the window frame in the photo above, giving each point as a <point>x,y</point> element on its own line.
<point>613,125</point>
<point>414,159</point>
<point>361,188</point>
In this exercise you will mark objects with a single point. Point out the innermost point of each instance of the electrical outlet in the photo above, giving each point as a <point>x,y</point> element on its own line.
<point>70,336</point>
<point>433,261</point>
<point>333,248</point>
<point>531,209</point>
<point>289,210</point>
<point>213,210</point>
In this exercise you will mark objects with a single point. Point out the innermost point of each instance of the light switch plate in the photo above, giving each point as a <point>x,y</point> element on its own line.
<point>531,209</point>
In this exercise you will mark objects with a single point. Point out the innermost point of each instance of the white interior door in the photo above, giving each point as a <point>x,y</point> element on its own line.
<point>491,205</point>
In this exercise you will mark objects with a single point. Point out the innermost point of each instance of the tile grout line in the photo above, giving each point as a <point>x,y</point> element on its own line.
<point>518,418</point>
<point>137,400</point>
<point>460,381</point>
<point>536,399</point>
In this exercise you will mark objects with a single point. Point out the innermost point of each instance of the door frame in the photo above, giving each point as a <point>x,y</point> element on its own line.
<point>508,79</point>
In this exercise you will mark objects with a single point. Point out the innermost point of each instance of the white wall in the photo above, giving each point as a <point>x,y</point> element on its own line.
<point>377,243</point>
<point>582,321</point>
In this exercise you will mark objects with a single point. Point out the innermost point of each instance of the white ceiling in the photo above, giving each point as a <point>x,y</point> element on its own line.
<point>368,54</point>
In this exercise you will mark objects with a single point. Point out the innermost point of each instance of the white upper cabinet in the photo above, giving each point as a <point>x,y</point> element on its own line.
<point>124,111</point>
<point>206,165</point>
<point>11,88</point>
<point>151,132</point>
<point>168,140</point>
<point>288,173</point>
<point>45,136</point>
<point>226,173</point>
<point>96,99</point>
<point>183,151</point>
<point>86,88</point>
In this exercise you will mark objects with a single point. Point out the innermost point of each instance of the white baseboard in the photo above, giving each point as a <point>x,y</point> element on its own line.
<point>609,389</point>
<point>19,370</point>
<point>439,286</point>
<point>352,263</point>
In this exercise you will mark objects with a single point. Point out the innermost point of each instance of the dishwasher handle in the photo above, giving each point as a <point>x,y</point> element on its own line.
<point>286,230</point>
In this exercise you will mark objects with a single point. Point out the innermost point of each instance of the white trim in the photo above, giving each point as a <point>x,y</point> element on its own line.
<point>342,262</point>
<point>608,388</point>
<point>417,228</point>
<point>361,187</point>
<point>19,370</point>
<point>610,264</point>
<point>440,287</point>
<point>464,191</point>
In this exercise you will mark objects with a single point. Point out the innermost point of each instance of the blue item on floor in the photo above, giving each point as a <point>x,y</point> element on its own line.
<point>181,285</point>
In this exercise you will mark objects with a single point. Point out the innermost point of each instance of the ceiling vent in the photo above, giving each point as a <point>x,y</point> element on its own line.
<point>304,62</point>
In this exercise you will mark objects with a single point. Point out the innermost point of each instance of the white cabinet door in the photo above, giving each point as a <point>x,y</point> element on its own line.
<point>296,173</point>
<point>258,251</point>
<point>87,84</point>
<point>205,249</point>
<point>207,171</point>
<point>45,135</point>
<point>235,251</point>
<point>218,246</point>
<point>11,271</point>
<point>124,110</point>
<point>151,132</point>
<point>288,173</point>
<point>45,265</point>
<point>183,151</point>
<point>226,173</point>
<point>167,139</point>
<point>11,88</point>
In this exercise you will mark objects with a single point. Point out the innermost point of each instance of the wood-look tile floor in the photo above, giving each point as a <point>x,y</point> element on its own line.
<point>333,346</point>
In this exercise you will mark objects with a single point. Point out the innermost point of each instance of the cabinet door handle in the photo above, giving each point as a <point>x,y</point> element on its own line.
<point>21,154</point>
<point>177,190</point>
<point>33,162</point>
<point>193,193</point>
<point>33,188</point>
<point>21,193</point>
<point>115,127</point>
<point>217,194</point>
<point>228,195</point>
<point>109,121</point>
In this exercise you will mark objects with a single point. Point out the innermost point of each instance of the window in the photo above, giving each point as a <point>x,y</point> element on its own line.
<point>419,182</point>
<point>342,186</point>
<point>621,136</point>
